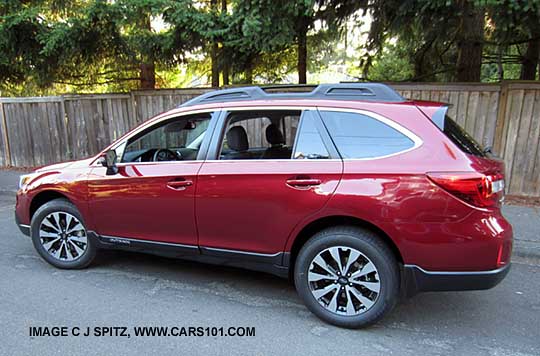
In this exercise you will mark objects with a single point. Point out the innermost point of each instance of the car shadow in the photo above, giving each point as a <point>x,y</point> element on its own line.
<point>427,311</point>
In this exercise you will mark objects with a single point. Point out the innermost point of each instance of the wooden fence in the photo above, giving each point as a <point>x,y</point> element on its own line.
<point>43,130</point>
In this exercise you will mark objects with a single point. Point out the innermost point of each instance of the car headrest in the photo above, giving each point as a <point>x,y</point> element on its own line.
<point>274,135</point>
<point>237,139</point>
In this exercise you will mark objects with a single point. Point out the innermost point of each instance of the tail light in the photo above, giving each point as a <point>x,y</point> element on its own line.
<point>480,190</point>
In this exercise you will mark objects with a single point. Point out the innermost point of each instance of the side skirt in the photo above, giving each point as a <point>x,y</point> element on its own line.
<point>268,263</point>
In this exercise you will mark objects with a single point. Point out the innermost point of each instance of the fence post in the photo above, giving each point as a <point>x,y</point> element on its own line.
<point>498,139</point>
<point>7,149</point>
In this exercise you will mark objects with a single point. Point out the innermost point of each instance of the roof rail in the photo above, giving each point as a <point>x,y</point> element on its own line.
<point>342,91</point>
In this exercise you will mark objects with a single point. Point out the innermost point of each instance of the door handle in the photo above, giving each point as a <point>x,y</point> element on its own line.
<point>303,182</point>
<point>179,184</point>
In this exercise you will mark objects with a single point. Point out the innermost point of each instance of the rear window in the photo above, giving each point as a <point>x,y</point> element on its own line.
<point>457,134</point>
<point>362,136</point>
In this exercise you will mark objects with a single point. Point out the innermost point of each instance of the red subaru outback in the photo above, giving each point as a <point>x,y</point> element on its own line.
<point>358,195</point>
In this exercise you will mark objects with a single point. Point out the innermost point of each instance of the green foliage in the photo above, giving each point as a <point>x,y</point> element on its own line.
<point>393,64</point>
<point>52,46</point>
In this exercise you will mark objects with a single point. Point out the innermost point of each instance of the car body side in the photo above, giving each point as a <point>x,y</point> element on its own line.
<point>425,226</point>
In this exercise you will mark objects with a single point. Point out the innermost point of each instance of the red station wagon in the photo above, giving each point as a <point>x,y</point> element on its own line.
<point>355,193</point>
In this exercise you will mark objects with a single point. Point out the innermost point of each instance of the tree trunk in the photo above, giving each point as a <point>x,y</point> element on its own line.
<point>215,67</point>
<point>225,64</point>
<point>470,42</point>
<point>214,52</point>
<point>147,67</point>
<point>424,69</point>
<point>249,73</point>
<point>530,60</point>
<point>148,76</point>
<point>302,51</point>
<point>225,74</point>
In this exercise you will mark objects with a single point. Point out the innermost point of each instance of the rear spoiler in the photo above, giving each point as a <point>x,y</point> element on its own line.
<point>435,113</point>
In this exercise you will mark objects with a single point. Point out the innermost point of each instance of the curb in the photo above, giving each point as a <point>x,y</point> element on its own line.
<point>526,251</point>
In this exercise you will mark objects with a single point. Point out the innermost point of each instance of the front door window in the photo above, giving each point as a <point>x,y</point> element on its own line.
<point>178,139</point>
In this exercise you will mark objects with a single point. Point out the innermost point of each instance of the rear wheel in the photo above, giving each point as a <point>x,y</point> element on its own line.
<point>59,235</point>
<point>347,276</point>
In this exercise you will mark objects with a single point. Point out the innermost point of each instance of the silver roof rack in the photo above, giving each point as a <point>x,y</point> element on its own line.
<point>342,91</point>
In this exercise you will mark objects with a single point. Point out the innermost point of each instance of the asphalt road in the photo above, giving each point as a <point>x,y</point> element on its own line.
<point>125,289</point>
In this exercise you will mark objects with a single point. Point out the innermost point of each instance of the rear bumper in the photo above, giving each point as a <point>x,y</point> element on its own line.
<point>419,280</point>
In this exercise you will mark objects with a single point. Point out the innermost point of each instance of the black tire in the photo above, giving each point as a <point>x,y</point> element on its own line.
<point>60,205</point>
<point>372,247</point>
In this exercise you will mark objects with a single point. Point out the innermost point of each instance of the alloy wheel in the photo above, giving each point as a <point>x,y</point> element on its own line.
<point>344,281</point>
<point>63,236</point>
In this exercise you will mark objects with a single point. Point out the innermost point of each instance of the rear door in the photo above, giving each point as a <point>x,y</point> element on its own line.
<point>259,181</point>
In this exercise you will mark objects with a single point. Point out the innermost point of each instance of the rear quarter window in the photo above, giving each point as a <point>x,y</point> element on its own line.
<point>456,133</point>
<point>361,136</point>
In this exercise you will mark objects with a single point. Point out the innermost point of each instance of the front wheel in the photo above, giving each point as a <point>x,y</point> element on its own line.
<point>59,235</point>
<point>347,276</point>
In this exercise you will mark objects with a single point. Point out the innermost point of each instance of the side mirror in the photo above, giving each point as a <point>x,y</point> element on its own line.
<point>109,160</point>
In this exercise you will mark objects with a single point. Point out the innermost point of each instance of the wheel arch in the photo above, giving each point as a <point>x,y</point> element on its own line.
<point>337,220</point>
<point>44,197</point>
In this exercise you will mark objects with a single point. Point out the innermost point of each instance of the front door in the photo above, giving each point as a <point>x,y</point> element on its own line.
<point>152,197</point>
<point>270,170</point>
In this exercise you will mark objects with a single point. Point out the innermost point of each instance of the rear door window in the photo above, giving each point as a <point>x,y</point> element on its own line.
<point>309,144</point>
<point>362,137</point>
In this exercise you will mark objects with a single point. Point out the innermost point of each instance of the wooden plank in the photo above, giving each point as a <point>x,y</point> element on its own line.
<point>416,95</point>
<point>522,153</point>
<point>125,116</point>
<point>90,113</point>
<point>79,97</point>
<point>57,149</point>
<point>405,93</point>
<point>5,138</point>
<point>446,86</point>
<point>481,119</point>
<point>28,158</point>
<point>531,171</point>
<point>101,126</point>
<point>515,106</point>
<point>118,123</point>
<point>444,96</point>
<point>39,133</point>
<point>30,99</point>
<point>132,110</point>
<point>499,139</point>
<point>13,127</point>
<point>491,120</point>
<point>454,103</point>
<point>462,105</point>
<point>471,113</point>
<point>78,120</point>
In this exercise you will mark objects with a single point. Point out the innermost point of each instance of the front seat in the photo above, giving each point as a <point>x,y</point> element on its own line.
<point>237,141</point>
<point>275,138</point>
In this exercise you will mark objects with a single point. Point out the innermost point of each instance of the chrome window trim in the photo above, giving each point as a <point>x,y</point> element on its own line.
<point>416,140</point>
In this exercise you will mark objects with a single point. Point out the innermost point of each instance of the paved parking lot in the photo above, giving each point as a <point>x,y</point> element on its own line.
<point>125,289</point>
